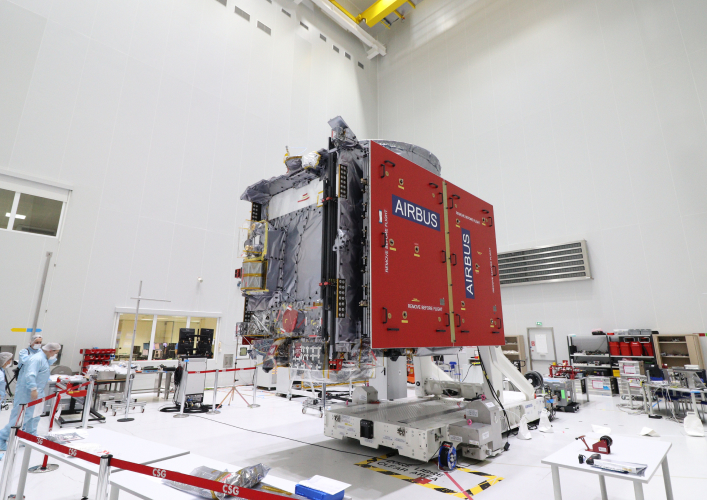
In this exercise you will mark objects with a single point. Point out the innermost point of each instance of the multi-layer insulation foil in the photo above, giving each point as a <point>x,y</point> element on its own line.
<point>304,260</point>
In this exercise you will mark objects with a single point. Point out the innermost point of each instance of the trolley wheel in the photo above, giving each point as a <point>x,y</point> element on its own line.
<point>304,410</point>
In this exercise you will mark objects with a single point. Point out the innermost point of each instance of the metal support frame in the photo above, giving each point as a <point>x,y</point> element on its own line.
<point>128,376</point>
<point>40,297</point>
<point>376,48</point>
<point>330,214</point>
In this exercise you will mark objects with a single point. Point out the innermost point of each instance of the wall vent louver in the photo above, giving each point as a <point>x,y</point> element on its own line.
<point>243,14</point>
<point>322,37</point>
<point>548,264</point>
<point>264,28</point>
<point>222,2</point>
<point>286,13</point>
<point>303,25</point>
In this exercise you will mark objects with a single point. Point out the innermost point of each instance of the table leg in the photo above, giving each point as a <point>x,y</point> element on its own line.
<point>602,487</point>
<point>666,478</point>
<point>556,482</point>
<point>159,384</point>
<point>114,492</point>
<point>638,490</point>
<point>23,473</point>
<point>86,485</point>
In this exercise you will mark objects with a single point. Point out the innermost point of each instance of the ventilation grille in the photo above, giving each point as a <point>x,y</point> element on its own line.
<point>322,37</point>
<point>360,65</point>
<point>303,25</point>
<point>243,14</point>
<point>568,262</point>
<point>264,28</point>
<point>286,13</point>
<point>222,2</point>
<point>348,56</point>
<point>336,49</point>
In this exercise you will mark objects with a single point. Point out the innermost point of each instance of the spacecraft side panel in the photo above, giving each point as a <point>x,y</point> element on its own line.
<point>476,310</point>
<point>409,288</point>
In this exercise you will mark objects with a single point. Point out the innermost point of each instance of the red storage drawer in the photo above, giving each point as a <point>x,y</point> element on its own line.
<point>625,348</point>
<point>614,348</point>
<point>636,349</point>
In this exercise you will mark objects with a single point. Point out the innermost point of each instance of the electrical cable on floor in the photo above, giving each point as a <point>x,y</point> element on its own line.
<point>287,438</point>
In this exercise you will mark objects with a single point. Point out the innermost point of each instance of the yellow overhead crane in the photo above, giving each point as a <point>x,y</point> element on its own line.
<point>377,12</point>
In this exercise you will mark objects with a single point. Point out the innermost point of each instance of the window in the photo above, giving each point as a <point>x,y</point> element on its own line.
<point>126,324</point>
<point>167,335</point>
<point>157,335</point>
<point>31,207</point>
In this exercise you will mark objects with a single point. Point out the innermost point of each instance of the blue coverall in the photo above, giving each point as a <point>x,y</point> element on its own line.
<point>34,375</point>
<point>2,385</point>
<point>25,354</point>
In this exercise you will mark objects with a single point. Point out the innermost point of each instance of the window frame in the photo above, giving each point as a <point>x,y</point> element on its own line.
<point>31,186</point>
<point>155,313</point>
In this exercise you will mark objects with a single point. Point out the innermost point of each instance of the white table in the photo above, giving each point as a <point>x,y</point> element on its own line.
<point>122,446</point>
<point>149,488</point>
<point>645,450</point>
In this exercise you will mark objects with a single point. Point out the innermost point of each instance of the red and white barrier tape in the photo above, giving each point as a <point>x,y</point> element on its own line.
<point>72,452</point>
<point>147,470</point>
<point>47,398</point>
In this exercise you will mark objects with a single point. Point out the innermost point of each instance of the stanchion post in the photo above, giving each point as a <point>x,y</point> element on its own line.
<point>103,478</point>
<point>214,410</point>
<point>9,460</point>
<point>255,388</point>
<point>129,381</point>
<point>46,466</point>
<point>87,403</point>
<point>183,389</point>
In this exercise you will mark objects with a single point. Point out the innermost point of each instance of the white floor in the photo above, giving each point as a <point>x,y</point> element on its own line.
<point>278,423</point>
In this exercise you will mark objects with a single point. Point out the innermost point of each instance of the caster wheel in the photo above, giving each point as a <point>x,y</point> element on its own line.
<point>304,410</point>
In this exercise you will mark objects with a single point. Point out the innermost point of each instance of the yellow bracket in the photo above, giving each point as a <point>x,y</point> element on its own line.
<point>379,11</point>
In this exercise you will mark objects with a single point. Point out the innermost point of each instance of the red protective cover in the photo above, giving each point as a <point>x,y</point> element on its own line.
<point>411,269</point>
<point>477,289</point>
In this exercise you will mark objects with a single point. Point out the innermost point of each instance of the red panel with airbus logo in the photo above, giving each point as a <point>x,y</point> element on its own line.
<point>477,313</point>
<point>409,284</point>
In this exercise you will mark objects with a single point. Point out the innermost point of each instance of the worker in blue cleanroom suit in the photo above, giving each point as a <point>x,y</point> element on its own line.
<point>35,345</point>
<point>30,386</point>
<point>5,361</point>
